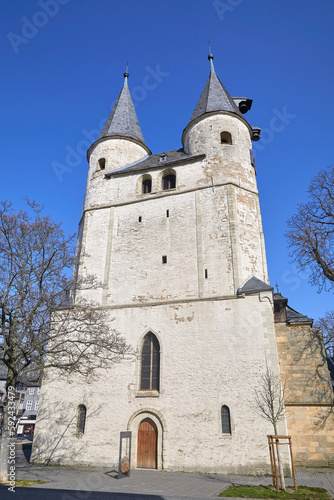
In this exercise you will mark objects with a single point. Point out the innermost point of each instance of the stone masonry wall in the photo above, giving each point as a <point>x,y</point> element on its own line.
<point>308,394</point>
<point>211,355</point>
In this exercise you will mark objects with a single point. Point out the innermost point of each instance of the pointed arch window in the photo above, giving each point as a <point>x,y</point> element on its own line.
<point>81,422</point>
<point>226,420</point>
<point>150,364</point>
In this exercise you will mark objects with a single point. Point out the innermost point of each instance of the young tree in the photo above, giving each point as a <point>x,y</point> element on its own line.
<point>269,404</point>
<point>42,324</point>
<point>311,231</point>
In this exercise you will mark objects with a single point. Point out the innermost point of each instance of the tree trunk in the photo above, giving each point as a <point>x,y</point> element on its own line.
<point>7,448</point>
<point>5,442</point>
<point>280,466</point>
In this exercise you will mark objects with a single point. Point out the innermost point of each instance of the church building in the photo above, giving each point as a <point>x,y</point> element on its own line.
<point>176,241</point>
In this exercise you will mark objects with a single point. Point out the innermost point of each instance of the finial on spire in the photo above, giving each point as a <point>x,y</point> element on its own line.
<point>126,74</point>
<point>210,57</point>
<point>277,288</point>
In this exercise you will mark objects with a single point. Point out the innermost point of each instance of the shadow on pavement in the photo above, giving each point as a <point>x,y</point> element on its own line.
<point>46,494</point>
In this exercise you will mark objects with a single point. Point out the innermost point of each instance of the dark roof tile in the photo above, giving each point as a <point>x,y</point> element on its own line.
<point>154,161</point>
<point>293,316</point>
<point>123,120</point>
<point>214,97</point>
<point>253,284</point>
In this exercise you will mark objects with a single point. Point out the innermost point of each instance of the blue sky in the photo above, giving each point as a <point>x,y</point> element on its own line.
<point>62,69</point>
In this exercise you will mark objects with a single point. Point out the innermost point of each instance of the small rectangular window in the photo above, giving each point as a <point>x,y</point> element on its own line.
<point>31,390</point>
<point>164,259</point>
<point>36,405</point>
<point>139,218</point>
<point>206,273</point>
<point>102,163</point>
<point>29,404</point>
<point>167,213</point>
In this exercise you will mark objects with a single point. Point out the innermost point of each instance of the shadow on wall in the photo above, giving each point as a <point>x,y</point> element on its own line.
<point>311,381</point>
<point>47,446</point>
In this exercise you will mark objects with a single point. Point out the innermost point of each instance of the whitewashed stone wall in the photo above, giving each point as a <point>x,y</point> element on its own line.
<point>212,354</point>
<point>214,346</point>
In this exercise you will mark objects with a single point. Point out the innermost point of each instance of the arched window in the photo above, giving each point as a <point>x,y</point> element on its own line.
<point>226,420</point>
<point>225,138</point>
<point>150,364</point>
<point>81,419</point>
<point>102,164</point>
<point>146,186</point>
<point>168,182</point>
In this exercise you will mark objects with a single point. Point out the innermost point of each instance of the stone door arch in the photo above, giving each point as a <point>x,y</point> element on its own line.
<point>157,421</point>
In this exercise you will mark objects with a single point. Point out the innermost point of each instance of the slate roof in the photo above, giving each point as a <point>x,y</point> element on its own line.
<point>214,98</point>
<point>173,157</point>
<point>123,120</point>
<point>253,284</point>
<point>293,316</point>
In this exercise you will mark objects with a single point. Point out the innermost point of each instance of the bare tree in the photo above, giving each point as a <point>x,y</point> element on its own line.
<point>311,231</point>
<point>41,325</point>
<point>269,404</point>
<point>269,400</point>
<point>326,327</point>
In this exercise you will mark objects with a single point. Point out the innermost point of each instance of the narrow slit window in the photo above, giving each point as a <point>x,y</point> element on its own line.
<point>167,213</point>
<point>164,259</point>
<point>102,163</point>
<point>226,420</point>
<point>206,273</point>
<point>81,423</point>
<point>139,218</point>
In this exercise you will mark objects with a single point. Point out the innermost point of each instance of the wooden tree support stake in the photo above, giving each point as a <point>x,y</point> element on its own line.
<point>273,443</point>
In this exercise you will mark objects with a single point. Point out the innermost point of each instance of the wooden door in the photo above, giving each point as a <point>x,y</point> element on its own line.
<point>147,444</point>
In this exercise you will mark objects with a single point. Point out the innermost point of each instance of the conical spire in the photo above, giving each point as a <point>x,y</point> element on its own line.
<point>214,96</point>
<point>123,120</point>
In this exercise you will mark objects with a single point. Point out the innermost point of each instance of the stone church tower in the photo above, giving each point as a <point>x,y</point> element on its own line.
<point>176,240</point>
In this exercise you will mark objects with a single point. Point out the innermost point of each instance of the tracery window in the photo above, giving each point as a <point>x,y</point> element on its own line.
<point>150,364</point>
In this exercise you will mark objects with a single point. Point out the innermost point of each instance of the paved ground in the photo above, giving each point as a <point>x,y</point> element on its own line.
<point>81,483</point>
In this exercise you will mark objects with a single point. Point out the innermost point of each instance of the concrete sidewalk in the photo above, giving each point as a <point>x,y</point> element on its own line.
<point>81,483</point>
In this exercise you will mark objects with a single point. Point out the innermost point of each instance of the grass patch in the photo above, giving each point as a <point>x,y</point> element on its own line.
<point>21,483</point>
<point>303,492</point>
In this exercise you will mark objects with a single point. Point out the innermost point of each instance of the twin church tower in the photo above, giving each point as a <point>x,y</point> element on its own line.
<point>176,241</point>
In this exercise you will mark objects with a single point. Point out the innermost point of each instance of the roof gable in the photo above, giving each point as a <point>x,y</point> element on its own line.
<point>253,284</point>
